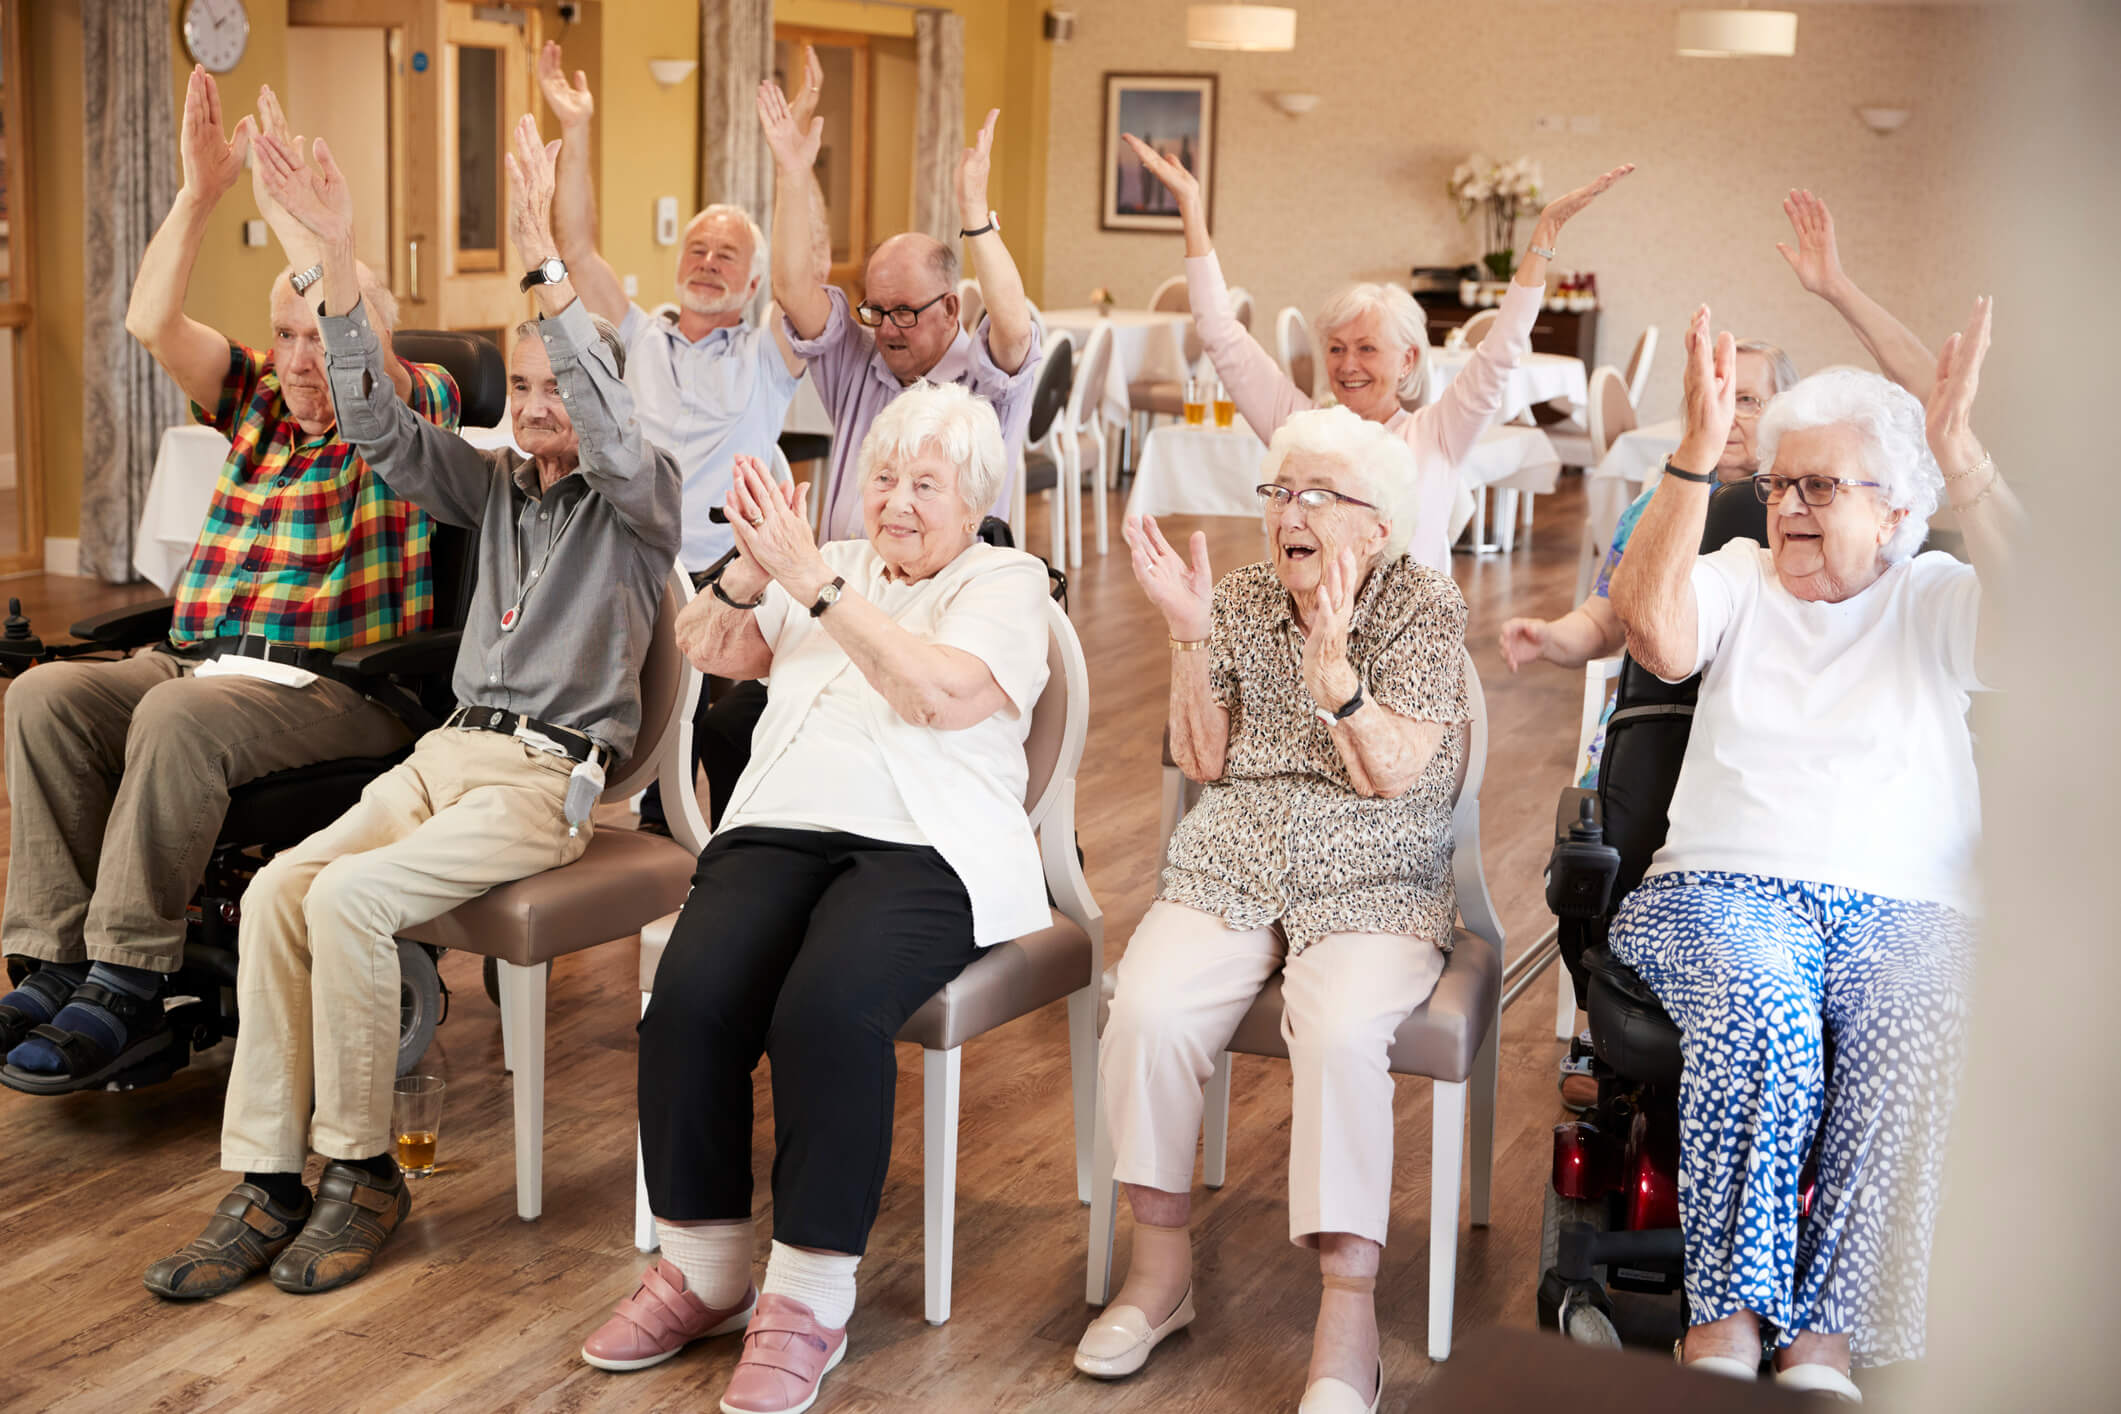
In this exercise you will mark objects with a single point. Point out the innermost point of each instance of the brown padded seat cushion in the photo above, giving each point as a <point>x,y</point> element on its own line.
<point>1160,395</point>
<point>623,881</point>
<point>1438,1039</point>
<point>1008,981</point>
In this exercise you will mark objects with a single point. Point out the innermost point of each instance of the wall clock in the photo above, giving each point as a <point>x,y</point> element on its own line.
<point>216,32</point>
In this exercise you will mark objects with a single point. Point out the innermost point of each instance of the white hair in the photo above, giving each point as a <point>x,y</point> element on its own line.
<point>952,419</point>
<point>607,333</point>
<point>1380,462</point>
<point>1404,322</point>
<point>382,304</point>
<point>759,252</point>
<point>1896,448</point>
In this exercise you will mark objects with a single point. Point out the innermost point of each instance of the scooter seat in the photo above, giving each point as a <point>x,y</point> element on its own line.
<point>286,807</point>
<point>1629,1029</point>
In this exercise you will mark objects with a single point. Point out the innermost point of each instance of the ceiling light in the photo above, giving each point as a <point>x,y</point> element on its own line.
<point>1250,28</point>
<point>1736,34</point>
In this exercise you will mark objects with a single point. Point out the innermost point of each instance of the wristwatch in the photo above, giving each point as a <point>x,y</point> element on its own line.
<point>1699,478</point>
<point>549,271</point>
<point>1347,710</point>
<point>828,596</point>
<point>994,223</point>
<point>303,279</point>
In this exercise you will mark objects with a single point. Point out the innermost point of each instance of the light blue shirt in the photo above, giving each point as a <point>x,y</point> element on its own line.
<point>706,402</point>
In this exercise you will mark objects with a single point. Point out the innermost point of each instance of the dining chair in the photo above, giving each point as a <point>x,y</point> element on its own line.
<point>1638,373</point>
<point>1296,350</point>
<point>1610,413</point>
<point>1477,327</point>
<point>1570,431</point>
<point>1007,981</point>
<point>1170,295</point>
<point>1084,439</point>
<point>970,304</point>
<point>1241,307</point>
<point>1045,463</point>
<point>1452,1038</point>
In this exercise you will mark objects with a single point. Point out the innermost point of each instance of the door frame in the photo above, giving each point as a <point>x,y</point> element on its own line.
<point>19,311</point>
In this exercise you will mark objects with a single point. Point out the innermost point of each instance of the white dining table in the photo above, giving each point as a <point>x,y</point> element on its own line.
<point>188,463</point>
<point>1537,378</point>
<point>1632,460</point>
<point>1146,343</point>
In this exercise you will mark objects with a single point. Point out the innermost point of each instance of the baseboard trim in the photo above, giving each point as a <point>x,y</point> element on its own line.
<point>62,554</point>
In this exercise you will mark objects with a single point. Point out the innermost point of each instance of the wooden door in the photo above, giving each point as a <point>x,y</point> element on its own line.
<point>486,85</point>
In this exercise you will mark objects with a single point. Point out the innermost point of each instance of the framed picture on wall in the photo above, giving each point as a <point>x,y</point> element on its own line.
<point>1173,113</point>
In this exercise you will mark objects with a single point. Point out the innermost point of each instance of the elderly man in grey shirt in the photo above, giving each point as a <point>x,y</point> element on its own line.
<point>547,682</point>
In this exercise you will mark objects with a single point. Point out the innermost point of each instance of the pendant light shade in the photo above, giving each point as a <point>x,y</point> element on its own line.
<point>1250,28</point>
<point>1735,34</point>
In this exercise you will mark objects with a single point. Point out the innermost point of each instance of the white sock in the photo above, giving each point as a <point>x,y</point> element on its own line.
<point>823,1281</point>
<point>715,1258</point>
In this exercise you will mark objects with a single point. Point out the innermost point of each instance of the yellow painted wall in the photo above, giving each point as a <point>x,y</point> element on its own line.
<point>51,37</point>
<point>648,136</point>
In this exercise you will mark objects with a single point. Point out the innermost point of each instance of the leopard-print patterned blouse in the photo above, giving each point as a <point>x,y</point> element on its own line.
<point>1283,836</point>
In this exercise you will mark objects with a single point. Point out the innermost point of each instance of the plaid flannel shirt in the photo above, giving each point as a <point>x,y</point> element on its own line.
<point>303,543</point>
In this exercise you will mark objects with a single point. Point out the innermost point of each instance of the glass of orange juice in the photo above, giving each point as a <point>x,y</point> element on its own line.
<point>1225,406</point>
<point>1196,402</point>
<point>415,1118</point>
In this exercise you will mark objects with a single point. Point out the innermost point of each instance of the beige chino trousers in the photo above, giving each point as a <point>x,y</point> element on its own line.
<point>317,966</point>
<point>118,776</point>
<point>1185,982</point>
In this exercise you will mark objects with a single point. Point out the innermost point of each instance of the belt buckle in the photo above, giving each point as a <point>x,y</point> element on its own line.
<point>494,718</point>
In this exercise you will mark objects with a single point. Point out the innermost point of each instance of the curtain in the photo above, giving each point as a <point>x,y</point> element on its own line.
<point>736,56</point>
<point>939,125</point>
<point>129,154</point>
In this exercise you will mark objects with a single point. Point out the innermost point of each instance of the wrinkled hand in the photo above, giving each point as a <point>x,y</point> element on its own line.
<point>1184,186</point>
<point>804,106</point>
<point>973,167</point>
<point>315,193</point>
<point>1559,211</point>
<point>1710,399</point>
<point>570,103</point>
<point>1524,640</point>
<point>771,532</point>
<point>272,122</point>
<point>1948,417</point>
<point>1328,676</point>
<point>530,182</point>
<point>1817,260</point>
<point>212,162</point>
<point>1183,593</point>
<point>794,145</point>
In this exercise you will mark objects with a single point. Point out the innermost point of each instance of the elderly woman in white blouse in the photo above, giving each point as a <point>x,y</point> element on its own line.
<point>1317,695</point>
<point>1374,337</point>
<point>875,844</point>
<point>1817,881</point>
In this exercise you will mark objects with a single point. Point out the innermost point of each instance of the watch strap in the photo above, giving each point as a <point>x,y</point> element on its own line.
<point>1699,478</point>
<point>539,275</point>
<point>1352,705</point>
<point>303,279</point>
<point>828,596</point>
<point>994,223</point>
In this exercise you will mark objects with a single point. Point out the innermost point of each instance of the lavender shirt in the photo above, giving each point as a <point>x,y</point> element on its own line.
<point>854,384</point>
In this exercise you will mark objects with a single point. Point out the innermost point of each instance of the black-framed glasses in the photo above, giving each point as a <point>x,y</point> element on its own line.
<point>903,315</point>
<point>1313,498</point>
<point>1816,490</point>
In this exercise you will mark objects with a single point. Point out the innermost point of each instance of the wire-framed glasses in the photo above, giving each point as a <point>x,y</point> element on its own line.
<point>1313,498</point>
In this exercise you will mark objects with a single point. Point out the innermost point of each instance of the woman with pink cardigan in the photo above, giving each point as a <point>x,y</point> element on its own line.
<point>1374,336</point>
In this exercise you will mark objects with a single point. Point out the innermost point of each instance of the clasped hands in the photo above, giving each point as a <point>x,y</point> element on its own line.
<point>774,540</point>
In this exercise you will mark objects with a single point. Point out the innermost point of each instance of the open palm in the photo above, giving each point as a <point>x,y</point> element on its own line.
<point>314,193</point>
<point>1948,417</point>
<point>1183,592</point>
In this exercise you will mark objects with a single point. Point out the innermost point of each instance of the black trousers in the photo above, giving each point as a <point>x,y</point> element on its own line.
<point>721,742</point>
<point>811,948</point>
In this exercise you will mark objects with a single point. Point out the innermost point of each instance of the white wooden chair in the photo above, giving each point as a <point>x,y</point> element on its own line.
<point>1296,350</point>
<point>1610,413</point>
<point>970,304</point>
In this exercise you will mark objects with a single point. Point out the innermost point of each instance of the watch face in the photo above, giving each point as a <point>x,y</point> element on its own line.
<point>830,594</point>
<point>555,270</point>
<point>216,32</point>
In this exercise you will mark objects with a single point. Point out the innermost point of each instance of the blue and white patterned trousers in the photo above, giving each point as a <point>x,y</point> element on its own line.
<point>1755,970</point>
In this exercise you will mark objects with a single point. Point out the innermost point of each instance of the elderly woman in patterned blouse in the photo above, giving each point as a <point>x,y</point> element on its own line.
<point>1317,696</point>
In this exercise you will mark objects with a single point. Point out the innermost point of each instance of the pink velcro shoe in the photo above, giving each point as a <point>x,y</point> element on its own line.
<point>786,1355</point>
<point>658,1320</point>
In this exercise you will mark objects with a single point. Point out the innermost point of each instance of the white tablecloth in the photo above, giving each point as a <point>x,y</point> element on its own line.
<point>1538,378</point>
<point>1632,459</point>
<point>181,487</point>
<point>1146,343</point>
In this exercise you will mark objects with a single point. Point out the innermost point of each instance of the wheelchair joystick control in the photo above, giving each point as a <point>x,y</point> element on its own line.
<point>1581,873</point>
<point>16,640</point>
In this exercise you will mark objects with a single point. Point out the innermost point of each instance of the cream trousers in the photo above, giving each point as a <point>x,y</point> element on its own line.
<point>1184,984</point>
<point>317,965</point>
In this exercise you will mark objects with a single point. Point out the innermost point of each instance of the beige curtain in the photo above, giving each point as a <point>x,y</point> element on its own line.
<point>736,56</point>
<point>129,154</point>
<point>939,127</point>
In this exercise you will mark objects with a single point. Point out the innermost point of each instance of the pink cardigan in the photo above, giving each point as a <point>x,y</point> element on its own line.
<point>1441,434</point>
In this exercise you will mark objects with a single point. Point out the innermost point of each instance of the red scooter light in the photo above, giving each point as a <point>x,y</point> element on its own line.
<point>1582,1170</point>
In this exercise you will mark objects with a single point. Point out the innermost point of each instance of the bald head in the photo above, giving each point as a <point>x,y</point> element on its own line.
<point>912,255</point>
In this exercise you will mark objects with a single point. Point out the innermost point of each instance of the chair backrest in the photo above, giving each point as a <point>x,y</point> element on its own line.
<point>479,370</point>
<point>1060,721</point>
<point>970,304</point>
<point>1474,904</point>
<point>1639,363</point>
<point>1056,378</point>
<point>1241,306</point>
<point>1610,412</point>
<point>1170,295</point>
<point>1086,398</point>
<point>1477,327</point>
<point>1295,350</point>
<point>670,688</point>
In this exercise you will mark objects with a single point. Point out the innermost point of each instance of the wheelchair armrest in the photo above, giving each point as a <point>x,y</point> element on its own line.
<point>414,655</point>
<point>133,626</point>
<point>1569,809</point>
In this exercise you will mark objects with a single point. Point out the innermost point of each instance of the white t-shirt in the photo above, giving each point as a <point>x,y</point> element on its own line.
<point>1830,741</point>
<point>961,791</point>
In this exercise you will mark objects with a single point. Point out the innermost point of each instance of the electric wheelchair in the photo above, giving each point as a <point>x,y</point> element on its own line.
<point>409,675</point>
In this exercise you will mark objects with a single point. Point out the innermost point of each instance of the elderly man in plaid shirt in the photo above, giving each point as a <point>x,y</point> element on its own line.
<point>118,774</point>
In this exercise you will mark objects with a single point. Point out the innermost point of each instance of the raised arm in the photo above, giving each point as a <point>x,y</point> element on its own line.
<point>799,273</point>
<point>1653,592</point>
<point>1900,355</point>
<point>1990,517</point>
<point>1185,594</point>
<point>296,240</point>
<point>1001,286</point>
<point>721,634</point>
<point>193,354</point>
<point>574,206</point>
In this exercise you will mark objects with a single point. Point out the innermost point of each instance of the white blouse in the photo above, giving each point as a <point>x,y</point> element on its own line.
<point>830,753</point>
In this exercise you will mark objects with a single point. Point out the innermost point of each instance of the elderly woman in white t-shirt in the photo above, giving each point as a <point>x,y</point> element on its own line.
<point>1817,879</point>
<point>874,845</point>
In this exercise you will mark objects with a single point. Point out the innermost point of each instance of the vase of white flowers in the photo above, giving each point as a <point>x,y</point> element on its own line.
<point>1500,192</point>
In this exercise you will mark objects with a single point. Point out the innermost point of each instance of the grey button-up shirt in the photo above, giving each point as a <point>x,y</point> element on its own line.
<point>582,564</point>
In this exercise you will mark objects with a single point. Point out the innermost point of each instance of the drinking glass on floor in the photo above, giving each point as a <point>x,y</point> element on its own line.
<point>415,1118</point>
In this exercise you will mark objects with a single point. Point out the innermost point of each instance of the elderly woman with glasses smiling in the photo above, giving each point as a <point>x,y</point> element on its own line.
<point>1316,695</point>
<point>1817,880</point>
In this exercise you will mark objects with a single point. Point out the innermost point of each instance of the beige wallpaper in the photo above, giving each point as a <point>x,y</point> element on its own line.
<point>1354,190</point>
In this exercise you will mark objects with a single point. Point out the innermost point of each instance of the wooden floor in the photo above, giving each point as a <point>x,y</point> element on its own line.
<point>471,1309</point>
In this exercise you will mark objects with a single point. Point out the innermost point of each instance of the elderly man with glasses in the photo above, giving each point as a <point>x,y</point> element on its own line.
<point>910,304</point>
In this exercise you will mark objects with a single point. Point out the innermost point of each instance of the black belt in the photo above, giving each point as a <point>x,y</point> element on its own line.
<point>257,645</point>
<point>576,745</point>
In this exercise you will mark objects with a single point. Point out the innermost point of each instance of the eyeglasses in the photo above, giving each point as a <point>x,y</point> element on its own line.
<point>1750,406</point>
<point>1315,498</point>
<point>903,315</point>
<point>1816,490</point>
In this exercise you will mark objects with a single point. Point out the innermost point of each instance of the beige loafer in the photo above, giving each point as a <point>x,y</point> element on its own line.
<point>1821,1380</point>
<point>1119,1341</point>
<point>1331,1396</point>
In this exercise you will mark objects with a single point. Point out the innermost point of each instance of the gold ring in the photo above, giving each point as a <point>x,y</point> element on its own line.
<point>756,521</point>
